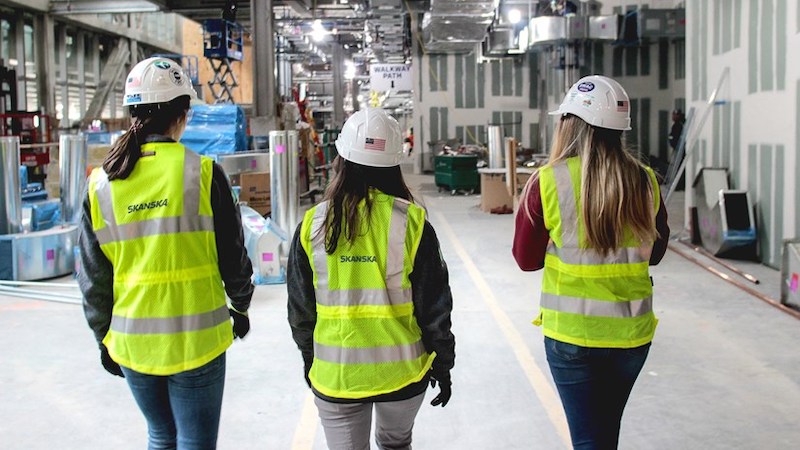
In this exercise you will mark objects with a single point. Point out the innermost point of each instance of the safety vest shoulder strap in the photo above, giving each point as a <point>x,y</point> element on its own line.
<point>106,224</point>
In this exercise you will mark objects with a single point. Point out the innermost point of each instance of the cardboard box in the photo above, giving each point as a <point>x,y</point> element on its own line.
<point>494,192</point>
<point>254,191</point>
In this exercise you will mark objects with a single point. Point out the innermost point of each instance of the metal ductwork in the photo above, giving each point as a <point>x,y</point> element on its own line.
<point>456,26</point>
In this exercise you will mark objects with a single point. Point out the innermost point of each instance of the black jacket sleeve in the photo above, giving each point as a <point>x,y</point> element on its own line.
<point>302,304</point>
<point>662,226</point>
<point>95,277</point>
<point>234,265</point>
<point>433,301</point>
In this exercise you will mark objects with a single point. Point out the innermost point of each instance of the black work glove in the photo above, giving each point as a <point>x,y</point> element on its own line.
<point>445,391</point>
<point>241,323</point>
<point>108,363</point>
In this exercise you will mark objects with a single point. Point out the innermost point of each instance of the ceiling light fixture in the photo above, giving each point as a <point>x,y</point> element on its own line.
<point>514,16</point>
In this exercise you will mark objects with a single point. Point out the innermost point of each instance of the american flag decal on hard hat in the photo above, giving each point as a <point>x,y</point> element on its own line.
<point>375,144</point>
<point>622,106</point>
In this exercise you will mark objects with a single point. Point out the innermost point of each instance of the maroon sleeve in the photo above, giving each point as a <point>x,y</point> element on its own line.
<point>660,245</point>
<point>530,235</point>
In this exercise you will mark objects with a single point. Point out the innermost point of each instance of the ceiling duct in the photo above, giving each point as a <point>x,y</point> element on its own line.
<point>456,26</point>
<point>549,30</point>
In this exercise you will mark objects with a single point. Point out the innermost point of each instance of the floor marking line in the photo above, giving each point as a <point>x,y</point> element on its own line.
<point>306,429</point>
<point>541,387</point>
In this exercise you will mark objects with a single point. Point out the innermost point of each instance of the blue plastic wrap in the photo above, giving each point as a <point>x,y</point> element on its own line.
<point>45,214</point>
<point>23,177</point>
<point>216,129</point>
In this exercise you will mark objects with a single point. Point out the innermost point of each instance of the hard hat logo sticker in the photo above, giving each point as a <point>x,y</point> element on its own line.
<point>162,65</point>
<point>176,76</point>
<point>586,86</point>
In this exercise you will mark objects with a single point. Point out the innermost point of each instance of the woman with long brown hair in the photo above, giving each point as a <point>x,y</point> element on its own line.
<point>369,299</point>
<point>594,220</point>
<point>161,246</point>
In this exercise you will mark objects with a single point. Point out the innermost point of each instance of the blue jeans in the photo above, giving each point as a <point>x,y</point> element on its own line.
<point>594,385</point>
<point>182,410</point>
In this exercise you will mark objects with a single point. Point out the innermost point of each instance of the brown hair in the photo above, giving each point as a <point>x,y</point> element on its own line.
<point>146,120</point>
<point>616,192</point>
<point>349,186</point>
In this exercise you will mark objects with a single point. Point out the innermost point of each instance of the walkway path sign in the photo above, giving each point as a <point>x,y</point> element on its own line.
<point>390,77</point>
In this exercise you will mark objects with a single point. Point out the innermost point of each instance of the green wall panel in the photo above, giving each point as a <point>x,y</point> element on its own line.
<point>780,44</point>
<point>752,48</point>
<point>766,61</point>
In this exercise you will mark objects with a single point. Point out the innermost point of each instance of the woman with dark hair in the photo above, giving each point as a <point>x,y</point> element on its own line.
<point>369,299</point>
<point>593,218</point>
<point>160,233</point>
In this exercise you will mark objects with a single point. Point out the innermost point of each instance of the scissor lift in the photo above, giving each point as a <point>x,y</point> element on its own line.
<point>223,43</point>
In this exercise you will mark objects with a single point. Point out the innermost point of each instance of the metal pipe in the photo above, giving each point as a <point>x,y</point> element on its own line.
<point>7,290</point>
<point>11,199</point>
<point>742,286</point>
<point>73,152</point>
<point>49,298</point>
<point>728,266</point>
<point>496,150</point>
<point>292,194</point>
<point>279,172</point>
<point>38,284</point>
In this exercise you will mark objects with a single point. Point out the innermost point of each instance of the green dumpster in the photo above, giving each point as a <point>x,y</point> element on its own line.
<point>456,173</point>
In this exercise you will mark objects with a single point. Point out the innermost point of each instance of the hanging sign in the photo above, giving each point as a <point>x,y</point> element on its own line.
<point>390,77</point>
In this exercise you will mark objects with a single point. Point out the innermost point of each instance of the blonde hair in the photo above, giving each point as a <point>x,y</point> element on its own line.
<point>616,193</point>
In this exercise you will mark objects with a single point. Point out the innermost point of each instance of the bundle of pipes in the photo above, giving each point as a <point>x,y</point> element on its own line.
<point>35,290</point>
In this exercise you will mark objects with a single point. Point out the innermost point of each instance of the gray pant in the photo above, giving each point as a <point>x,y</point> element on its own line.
<point>347,425</point>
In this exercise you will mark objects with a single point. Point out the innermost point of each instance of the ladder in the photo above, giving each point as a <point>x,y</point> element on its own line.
<point>687,140</point>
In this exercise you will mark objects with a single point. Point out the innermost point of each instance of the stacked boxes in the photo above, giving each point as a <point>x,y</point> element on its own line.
<point>254,191</point>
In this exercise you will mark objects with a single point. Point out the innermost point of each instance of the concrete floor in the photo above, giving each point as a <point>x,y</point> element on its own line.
<point>723,372</point>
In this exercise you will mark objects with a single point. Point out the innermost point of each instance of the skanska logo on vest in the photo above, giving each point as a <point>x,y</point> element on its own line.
<point>149,205</point>
<point>357,259</point>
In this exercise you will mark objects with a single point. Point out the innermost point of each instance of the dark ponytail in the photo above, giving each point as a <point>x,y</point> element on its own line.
<point>146,120</point>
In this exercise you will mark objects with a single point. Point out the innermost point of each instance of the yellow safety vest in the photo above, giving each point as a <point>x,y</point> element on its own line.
<point>157,229</point>
<point>366,341</point>
<point>588,299</point>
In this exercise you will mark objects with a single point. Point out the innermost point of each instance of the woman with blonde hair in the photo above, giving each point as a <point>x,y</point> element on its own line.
<point>594,220</point>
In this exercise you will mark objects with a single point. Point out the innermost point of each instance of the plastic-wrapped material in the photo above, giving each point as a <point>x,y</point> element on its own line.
<point>44,214</point>
<point>263,239</point>
<point>216,129</point>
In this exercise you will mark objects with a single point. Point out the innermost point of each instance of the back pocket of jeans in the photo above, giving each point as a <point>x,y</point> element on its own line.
<point>567,351</point>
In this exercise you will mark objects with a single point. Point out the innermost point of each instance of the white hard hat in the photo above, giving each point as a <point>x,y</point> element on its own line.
<point>371,137</point>
<point>599,101</point>
<point>156,80</point>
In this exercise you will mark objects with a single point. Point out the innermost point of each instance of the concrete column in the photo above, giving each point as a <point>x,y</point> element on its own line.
<point>264,91</point>
<point>356,92</point>
<point>80,48</point>
<point>44,41</point>
<point>338,85</point>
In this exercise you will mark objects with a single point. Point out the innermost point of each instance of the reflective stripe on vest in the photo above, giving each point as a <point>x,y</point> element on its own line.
<point>170,313</point>
<point>169,325</point>
<point>586,294</point>
<point>366,341</point>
